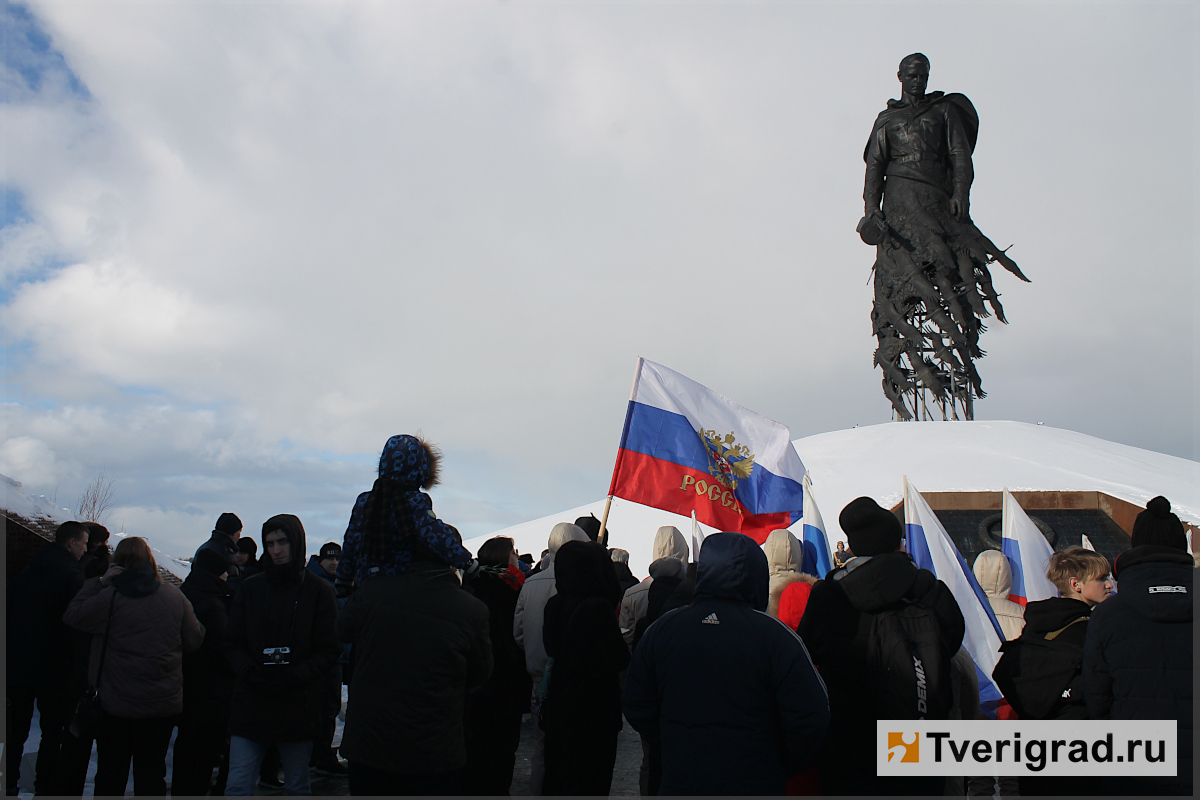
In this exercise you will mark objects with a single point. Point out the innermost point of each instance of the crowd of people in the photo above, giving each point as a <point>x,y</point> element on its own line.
<point>741,674</point>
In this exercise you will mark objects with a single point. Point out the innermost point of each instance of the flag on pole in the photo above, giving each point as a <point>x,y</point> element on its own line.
<point>818,557</point>
<point>932,549</point>
<point>1028,554</point>
<point>686,448</point>
<point>1087,543</point>
<point>697,539</point>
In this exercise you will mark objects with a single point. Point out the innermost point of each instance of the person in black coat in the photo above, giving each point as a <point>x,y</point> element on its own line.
<point>208,681</point>
<point>763,720</point>
<point>582,711</point>
<point>625,575</point>
<point>280,641</point>
<point>493,715</point>
<point>836,627</point>
<point>42,652</point>
<point>1041,672</point>
<point>1137,658</point>
<point>224,540</point>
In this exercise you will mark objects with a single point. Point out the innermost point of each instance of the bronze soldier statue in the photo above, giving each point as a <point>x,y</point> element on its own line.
<point>931,275</point>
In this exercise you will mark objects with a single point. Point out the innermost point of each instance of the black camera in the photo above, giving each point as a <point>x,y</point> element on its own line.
<point>277,655</point>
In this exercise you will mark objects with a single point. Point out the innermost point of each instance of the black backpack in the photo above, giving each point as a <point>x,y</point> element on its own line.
<point>909,662</point>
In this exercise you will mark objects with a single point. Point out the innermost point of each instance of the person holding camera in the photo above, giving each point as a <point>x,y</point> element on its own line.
<point>281,643</point>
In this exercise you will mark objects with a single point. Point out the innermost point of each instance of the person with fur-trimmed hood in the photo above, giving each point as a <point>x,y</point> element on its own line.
<point>394,520</point>
<point>1137,656</point>
<point>281,642</point>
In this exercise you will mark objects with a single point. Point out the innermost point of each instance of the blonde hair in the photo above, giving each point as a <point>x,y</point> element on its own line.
<point>132,551</point>
<point>1079,563</point>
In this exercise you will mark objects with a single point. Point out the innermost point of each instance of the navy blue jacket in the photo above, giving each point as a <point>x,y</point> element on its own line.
<point>1137,657</point>
<point>728,690</point>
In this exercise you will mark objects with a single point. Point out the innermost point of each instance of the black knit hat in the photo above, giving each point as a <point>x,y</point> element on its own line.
<point>228,524</point>
<point>870,530</point>
<point>331,550</point>
<point>210,560</point>
<point>248,546</point>
<point>1157,525</point>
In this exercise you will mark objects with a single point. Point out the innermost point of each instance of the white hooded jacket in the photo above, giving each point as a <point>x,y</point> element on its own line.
<point>531,602</point>
<point>785,555</point>
<point>668,542</point>
<point>995,578</point>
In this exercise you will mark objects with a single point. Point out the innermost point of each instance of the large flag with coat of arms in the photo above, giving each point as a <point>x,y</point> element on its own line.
<point>686,448</point>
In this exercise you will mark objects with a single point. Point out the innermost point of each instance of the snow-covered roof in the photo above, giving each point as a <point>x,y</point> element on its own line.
<point>21,503</point>
<point>937,457</point>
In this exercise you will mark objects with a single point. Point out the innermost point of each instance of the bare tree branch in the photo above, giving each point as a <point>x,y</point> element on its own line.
<point>97,501</point>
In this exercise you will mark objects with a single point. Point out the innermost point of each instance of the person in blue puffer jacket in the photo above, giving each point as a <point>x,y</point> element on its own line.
<point>395,520</point>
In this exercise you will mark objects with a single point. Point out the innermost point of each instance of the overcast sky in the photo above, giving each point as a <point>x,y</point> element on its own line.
<point>243,244</point>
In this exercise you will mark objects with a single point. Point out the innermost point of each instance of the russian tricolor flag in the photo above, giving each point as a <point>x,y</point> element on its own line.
<point>686,448</point>
<point>1028,554</point>
<point>818,556</point>
<point>933,549</point>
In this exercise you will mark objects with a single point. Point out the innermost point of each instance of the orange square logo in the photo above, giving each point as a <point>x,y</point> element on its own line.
<point>905,745</point>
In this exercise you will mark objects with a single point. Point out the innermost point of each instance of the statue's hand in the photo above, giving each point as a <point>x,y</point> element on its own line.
<point>874,213</point>
<point>960,207</point>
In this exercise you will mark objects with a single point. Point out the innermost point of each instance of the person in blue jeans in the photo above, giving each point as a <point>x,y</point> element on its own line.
<point>281,643</point>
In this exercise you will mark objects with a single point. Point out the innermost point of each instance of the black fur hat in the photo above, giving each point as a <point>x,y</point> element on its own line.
<point>870,530</point>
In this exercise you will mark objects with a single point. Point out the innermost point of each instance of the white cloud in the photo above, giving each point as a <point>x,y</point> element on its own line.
<point>323,224</point>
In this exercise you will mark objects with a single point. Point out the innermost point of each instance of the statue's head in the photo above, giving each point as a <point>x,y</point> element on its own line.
<point>914,74</point>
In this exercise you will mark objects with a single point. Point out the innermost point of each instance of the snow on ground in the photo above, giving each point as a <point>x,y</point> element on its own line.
<point>937,457</point>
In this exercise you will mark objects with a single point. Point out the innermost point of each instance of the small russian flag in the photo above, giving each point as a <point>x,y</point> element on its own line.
<point>1028,554</point>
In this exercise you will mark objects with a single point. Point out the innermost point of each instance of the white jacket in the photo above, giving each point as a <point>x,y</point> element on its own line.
<point>667,542</point>
<point>995,578</point>
<point>531,602</point>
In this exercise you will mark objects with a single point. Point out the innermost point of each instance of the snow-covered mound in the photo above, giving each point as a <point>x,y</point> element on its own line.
<point>21,503</point>
<point>937,457</point>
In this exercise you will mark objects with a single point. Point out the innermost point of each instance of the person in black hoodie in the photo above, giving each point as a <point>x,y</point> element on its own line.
<point>1137,657</point>
<point>625,576</point>
<point>582,711</point>
<point>280,642</point>
<point>1041,672</point>
<point>837,626</point>
<point>208,679</point>
<point>747,732</point>
<point>493,715</point>
<point>42,652</point>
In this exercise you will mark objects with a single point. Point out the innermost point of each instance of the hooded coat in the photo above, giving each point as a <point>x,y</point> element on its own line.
<point>207,676</point>
<point>1137,657</point>
<point>1041,672</point>
<point>41,649</point>
<point>582,711</point>
<point>531,602</point>
<point>836,627</point>
<point>668,541</point>
<point>286,606</point>
<point>223,545</point>
<point>152,626</point>
<point>407,461</point>
<point>995,578</point>
<point>420,643</point>
<point>784,558</point>
<point>764,720</point>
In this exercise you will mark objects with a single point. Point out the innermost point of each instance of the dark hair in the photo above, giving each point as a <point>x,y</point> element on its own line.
<point>496,550</point>
<point>915,57</point>
<point>97,534</point>
<point>69,532</point>
<point>248,546</point>
<point>132,551</point>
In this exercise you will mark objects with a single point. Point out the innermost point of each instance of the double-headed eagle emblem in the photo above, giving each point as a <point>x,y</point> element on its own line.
<point>728,461</point>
